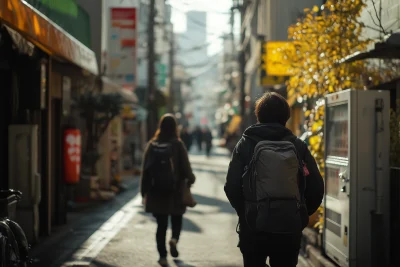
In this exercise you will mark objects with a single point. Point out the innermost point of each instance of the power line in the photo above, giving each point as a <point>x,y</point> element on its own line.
<point>198,47</point>
<point>206,10</point>
<point>201,24</point>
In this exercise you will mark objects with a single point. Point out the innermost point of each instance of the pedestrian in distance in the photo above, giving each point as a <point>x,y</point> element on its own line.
<point>186,138</point>
<point>198,136</point>
<point>166,170</point>
<point>274,185</point>
<point>207,138</point>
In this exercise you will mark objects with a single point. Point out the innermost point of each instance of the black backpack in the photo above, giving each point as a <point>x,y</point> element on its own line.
<point>273,187</point>
<point>161,168</point>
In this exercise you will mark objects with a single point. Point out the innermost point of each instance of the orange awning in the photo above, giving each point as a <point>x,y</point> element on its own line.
<point>47,35</point>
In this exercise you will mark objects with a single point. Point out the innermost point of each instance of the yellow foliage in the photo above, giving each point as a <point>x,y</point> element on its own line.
<point>323,37</point>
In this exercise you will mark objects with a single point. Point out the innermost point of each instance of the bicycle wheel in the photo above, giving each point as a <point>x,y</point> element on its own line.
<point>12,255</point>
<point>3,246</point>
<point>9,250</point>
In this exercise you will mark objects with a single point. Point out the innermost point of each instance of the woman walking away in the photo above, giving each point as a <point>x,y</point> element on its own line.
<point>166,169</point>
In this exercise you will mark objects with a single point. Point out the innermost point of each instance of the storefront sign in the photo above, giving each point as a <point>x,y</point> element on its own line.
<point>161,75</point>
<point>122,47</point>
<point>44,33</point>
<point>277,58</point>
<point>72,156</point>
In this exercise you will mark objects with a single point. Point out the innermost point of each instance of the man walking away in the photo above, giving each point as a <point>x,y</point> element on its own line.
<point>274,184</point>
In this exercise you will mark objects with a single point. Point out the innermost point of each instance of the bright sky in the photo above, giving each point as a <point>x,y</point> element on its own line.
<point>217,21</point>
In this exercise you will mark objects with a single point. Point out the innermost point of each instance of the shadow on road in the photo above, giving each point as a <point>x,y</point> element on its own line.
<point>100,264</point>
<point>224,206</point>
<point>180,263</point>
<point>64,243</point>
<point>188,225</point>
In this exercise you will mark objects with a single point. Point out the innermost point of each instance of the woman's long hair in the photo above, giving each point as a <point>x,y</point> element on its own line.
<point>167,129</point>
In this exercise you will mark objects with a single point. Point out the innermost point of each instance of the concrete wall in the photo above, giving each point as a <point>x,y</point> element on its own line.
<point>280,14</point>
<point>390,17</point>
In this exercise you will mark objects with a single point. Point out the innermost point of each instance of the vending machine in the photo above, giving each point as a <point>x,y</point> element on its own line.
<point>356,223</point>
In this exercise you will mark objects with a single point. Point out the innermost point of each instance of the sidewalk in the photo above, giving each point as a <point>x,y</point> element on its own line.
<point>65,239</point>
<point>208,238</point>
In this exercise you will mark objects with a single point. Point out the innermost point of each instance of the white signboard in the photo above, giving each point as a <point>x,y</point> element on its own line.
<point>122,47</point>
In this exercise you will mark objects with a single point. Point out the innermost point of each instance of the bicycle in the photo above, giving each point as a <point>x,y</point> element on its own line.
<point>14,247</point>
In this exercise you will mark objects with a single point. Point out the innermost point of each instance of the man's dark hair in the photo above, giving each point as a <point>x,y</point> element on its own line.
<point>272,108</point>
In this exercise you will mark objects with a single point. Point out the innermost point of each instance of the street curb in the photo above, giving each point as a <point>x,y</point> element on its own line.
<point>315,257</point>
<point>65,230</point>
<point>99,239</point>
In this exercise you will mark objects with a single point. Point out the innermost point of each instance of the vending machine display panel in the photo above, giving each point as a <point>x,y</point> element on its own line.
<point>338,130</point>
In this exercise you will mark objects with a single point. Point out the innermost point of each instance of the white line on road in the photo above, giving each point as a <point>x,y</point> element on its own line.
<point>99,239</point>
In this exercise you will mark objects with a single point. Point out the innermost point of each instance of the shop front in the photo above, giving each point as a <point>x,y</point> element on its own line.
<point>43,69</point>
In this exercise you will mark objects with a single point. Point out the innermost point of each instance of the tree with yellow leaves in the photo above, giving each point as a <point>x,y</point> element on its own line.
<point>321,38</point>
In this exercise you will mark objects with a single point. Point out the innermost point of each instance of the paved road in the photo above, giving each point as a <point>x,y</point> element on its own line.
<point>208,239</point>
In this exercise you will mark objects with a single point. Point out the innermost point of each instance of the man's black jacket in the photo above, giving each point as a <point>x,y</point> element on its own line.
<point>242,155</point>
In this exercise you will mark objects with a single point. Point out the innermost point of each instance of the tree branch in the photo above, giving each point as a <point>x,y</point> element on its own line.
<point>379,17</point>
<point>372,28</point>
<point>373,20</point>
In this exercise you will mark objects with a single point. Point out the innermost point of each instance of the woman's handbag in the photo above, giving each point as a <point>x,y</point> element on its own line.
<point>188,199</point>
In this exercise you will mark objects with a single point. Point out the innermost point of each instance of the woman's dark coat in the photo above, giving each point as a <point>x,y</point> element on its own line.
<point>169,204</point>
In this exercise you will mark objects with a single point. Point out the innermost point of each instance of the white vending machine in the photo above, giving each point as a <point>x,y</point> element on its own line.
<point>357,139</point>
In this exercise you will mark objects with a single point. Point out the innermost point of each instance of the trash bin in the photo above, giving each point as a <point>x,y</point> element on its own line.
<point>8,207</point>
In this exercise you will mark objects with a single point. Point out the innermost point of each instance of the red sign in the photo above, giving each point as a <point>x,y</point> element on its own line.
<point>72,156</point>
<point>125,14</point>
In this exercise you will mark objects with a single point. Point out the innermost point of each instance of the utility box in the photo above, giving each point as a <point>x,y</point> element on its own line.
<point>357,184</point>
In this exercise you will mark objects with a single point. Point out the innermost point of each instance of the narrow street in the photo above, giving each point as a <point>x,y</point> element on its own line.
<point>208,239</point>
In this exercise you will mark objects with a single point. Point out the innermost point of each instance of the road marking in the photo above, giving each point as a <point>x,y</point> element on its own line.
<point>91,248</point>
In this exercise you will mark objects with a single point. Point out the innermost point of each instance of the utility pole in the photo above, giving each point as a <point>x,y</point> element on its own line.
<point>242,63</point>
<point>232,22</point>
<point>232,55</point>
<point>151,85</point>
<point>171,70</point>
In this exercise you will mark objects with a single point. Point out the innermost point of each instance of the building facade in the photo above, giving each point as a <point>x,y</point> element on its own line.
<point>267,21</point>
<point>42,68</point>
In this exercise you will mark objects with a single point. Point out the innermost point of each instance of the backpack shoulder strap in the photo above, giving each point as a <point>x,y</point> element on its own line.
<point>299,145</point>
<point>253,138</point>
<point>300,151</point>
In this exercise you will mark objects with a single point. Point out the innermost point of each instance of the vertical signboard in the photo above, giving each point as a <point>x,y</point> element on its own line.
<point>122,47</point>
<point>161,75</point>
<point>72,156</point>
